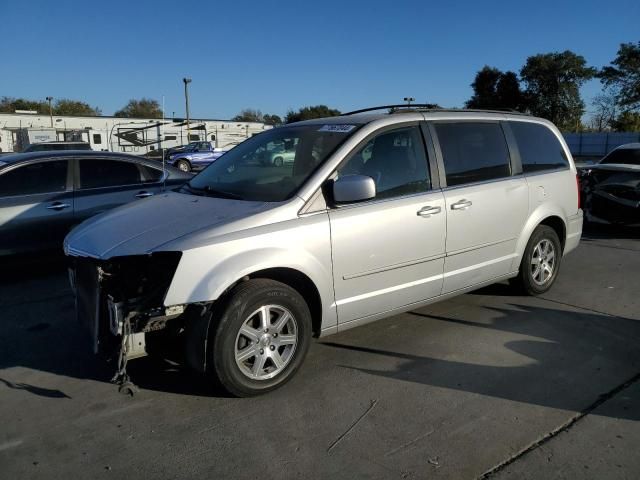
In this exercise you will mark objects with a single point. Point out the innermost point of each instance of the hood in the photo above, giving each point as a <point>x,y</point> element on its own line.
<point>140,227</point>
<point>618,167</point>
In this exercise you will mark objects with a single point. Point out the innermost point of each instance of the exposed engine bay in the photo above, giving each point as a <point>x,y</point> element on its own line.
<point>120,300</point>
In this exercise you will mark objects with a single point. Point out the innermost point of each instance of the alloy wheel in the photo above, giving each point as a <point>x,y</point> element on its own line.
<point>266,342</point>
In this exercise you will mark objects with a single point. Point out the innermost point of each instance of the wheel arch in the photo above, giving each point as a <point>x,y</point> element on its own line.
<point>551,218</point>
<point>305,273</point>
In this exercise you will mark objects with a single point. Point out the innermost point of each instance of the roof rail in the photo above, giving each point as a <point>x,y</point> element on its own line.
<point>420,107</point>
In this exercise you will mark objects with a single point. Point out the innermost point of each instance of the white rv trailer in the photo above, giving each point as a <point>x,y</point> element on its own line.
<point>115,134</point>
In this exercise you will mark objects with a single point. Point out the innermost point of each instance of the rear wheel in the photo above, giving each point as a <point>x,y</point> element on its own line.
<point>278,161</point>
<point>540,263</point>
<point>261,338</point>
<point>183,165</point>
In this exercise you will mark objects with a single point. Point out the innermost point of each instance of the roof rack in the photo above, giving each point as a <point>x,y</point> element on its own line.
<point>420,107</point>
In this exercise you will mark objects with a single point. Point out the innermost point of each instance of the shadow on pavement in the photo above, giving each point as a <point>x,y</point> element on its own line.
<point>39,391</point>
<point>569,357</point>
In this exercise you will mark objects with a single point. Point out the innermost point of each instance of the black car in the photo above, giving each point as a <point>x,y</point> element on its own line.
<point>44,194</point>
<point>610,189</point>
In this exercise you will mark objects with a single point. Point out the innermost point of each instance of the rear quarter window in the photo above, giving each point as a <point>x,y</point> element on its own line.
<point>540,150</point>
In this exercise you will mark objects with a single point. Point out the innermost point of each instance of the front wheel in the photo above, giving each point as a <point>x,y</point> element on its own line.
<point>540,263</point>
<point>183,165</point>
<point>261,337</point>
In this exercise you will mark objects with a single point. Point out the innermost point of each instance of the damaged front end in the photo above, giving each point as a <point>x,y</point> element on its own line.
<point>120,300</point>
<point>611,195</point>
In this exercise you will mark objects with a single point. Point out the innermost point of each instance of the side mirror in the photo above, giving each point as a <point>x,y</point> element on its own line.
<point>353,188</point>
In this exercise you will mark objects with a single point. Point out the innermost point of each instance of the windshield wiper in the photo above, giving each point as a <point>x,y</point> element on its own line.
<point>210,192</point>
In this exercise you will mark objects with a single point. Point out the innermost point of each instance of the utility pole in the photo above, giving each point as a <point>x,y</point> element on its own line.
<point>187,81</point>
<point>49,99</point>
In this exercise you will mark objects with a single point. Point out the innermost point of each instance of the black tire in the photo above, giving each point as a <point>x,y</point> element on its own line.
<point>525,281</point>
<point>245,299</point>
<point>278,161</point>
<point>183,165</point>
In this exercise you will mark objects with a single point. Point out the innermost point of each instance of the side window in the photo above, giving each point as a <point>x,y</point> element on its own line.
<point>473,152</point>
<point>396,160</point>
<point>539,148</point>
<point>97,138</point>
<point>43,177</point>
<point>107,173</point>
<point>150,174</point>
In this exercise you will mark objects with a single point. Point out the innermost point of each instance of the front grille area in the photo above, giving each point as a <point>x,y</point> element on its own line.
<point>140,283</point>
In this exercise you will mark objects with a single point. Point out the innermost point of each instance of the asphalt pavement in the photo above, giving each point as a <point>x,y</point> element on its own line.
<point>486,385</point>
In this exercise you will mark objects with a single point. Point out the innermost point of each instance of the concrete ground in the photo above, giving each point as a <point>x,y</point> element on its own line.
<point>487,385</point>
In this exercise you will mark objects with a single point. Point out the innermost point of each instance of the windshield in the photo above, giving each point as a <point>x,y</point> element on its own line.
<point>626,156</point>
<point>271,166</point>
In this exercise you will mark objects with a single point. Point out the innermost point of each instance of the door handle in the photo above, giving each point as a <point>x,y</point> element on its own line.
<point>461,205</point>
<point>426,212</point>
<point>144,194</point>
<point>57,206</point>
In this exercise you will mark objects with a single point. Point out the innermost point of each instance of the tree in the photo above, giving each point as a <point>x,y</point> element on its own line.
<point>250,115</point>
<point>553,82</point>
<point>74,107</point>
<point>604,113</point>
<point>627,122</point>
<point>495,89</point>
<point>11,104</point>
<point>143,108</point>
<point>272,119</point>
<point>61,107</point>
<point>307,113</point>
<point>623,76</point>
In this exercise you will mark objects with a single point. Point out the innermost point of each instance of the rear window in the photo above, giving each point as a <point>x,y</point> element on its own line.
<point>625,156</point>
<point>107,173</point>
<point>540,149</point>
<point>473,152</point>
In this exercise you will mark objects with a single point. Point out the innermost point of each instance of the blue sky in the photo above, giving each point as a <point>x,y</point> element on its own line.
<point>280,55</point>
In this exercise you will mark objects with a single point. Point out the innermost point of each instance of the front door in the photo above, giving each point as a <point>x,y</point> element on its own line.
<point>36,206</point>
<point>388,253</point>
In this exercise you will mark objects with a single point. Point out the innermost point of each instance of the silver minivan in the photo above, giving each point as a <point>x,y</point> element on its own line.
<point>376,214</point>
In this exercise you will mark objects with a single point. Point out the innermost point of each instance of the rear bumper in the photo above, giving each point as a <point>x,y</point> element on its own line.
<point>574,232</point>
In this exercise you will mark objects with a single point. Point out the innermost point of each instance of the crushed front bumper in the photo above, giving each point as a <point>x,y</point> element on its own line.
<point>119,300</point>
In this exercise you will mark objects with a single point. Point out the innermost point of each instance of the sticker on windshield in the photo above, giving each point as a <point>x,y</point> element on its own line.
<point>337,128</point>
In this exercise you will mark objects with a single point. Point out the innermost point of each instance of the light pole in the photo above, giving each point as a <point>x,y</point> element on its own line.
<point>49,99</point>
<point>409,100</point>
<point>187,81</point>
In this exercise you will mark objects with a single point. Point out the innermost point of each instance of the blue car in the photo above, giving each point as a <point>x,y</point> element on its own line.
<point>195,158</point>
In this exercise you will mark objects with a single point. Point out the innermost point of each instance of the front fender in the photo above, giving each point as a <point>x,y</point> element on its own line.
<point>205,273</point>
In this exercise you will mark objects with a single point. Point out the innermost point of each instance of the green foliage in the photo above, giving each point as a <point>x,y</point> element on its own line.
<point>495,89</point>
<point>60,107</point>
<point>143,108</point>
<point>250,115</point>
<point>553,82</point>
<point>623,76</point>
<point>272,120</point>
<point>627,122</point>
<point>10,105</point>
<point>74,107</point>
<point>307,113</point>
